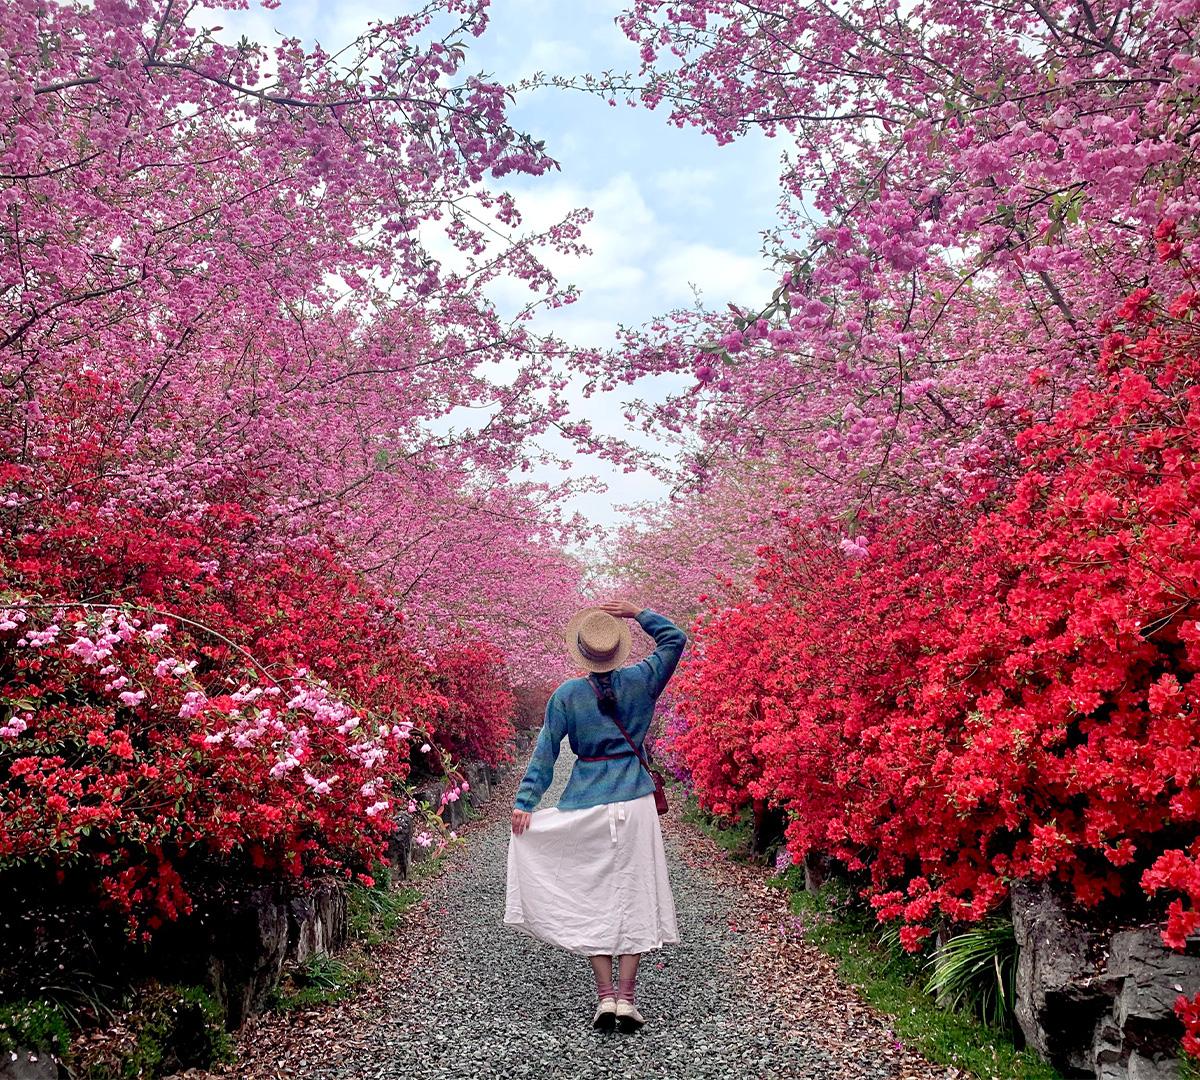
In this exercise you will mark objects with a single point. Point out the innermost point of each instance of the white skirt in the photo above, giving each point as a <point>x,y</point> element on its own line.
<point>593,881</point>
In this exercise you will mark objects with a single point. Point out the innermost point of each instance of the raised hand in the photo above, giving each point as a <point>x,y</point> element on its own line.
<point>622,609</point>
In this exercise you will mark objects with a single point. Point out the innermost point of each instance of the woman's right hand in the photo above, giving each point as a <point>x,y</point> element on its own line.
<point>520,821</point>
<point>622,609</point>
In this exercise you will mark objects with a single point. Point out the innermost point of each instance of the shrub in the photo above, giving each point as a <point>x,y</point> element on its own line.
<point>166,1030</point>
<point>964,701</point>
<point>475,721</point>
<point>207,712</point>
<point>976,971</point>
<point>37,1025</point>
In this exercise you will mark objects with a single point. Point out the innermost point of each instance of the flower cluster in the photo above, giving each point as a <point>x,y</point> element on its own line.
<point>476,722</point>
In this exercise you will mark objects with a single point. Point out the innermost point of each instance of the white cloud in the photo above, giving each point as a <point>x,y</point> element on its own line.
<point>297,18</point>
<point>718,274</point>
<point>554,57</point>
<point>580,330</point>
<point>343,22</point>
<point>622,234</point>
<point>690,188</point>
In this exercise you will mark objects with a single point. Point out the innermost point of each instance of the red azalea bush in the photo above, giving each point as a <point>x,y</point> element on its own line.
<point>183,695</point>
<point>476,720</point>
<point>954,708</point>
<point>790,695</point>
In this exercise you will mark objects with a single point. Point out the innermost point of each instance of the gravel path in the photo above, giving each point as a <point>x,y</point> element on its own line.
<point>479,999</point>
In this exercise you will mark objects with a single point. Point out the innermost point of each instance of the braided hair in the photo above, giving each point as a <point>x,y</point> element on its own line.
<point>606,698</point>
<point>606,701</point>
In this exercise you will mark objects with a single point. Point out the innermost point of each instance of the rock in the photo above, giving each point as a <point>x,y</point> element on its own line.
<point>429,791</point>
<point>420,854</point>
<point>1160,1067</point>
<point>249,946</point>
<point>317,921</point>
<point>454,814</point>
<point>1152,977</point>
<point>251,941</point>
<point>237,943</point>
<point>28,1064</point>
<point>400,845</point>
<point>1098,1004</point>
<point>816,871</point>
<point>475,773</point>
<point>1061,997</point>
<point>1107,1050</point>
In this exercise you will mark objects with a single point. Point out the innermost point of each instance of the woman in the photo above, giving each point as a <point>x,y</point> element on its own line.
<point>590,875</point>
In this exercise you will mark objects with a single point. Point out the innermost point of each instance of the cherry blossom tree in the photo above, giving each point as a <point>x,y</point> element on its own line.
<point>239,239</point>
<point>968,189</point>
<point>254,566</point>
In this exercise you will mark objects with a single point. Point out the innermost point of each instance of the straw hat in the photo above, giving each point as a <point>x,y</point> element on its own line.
<point>598,641</point>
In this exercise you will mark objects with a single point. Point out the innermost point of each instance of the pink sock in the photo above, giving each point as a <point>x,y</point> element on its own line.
<point>627,988</point>
<point>604,989</point>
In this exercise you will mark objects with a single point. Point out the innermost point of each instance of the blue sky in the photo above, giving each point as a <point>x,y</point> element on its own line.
<point>672,210</point>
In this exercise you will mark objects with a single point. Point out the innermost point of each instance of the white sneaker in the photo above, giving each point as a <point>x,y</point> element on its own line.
<point>606,1015</point>
<point>629,1019</point>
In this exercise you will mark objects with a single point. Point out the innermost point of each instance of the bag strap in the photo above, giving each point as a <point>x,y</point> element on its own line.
<point>621,728</point>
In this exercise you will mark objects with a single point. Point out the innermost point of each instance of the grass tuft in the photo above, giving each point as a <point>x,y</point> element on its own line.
<point>35,1025</point>
<point>428,866</point>
<point>733,835</point>
<point>976,971</point>
<point>320,980</point>
<point>374,913</point>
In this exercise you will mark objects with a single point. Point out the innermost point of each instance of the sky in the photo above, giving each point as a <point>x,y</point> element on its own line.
<point>674,213</point>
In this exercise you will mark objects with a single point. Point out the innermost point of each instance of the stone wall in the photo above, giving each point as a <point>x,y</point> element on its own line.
<point>1098,1003</point>
<point>240,950</point>
<point>482,780</point>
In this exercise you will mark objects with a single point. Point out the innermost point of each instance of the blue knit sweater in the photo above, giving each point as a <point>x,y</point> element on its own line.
<point>573,711</point>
